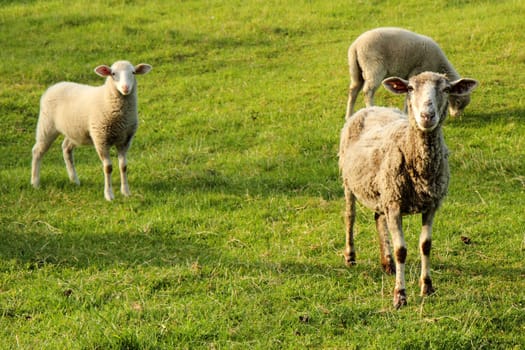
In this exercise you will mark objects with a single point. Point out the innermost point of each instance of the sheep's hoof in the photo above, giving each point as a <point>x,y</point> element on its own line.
<point>74,179</point>
<point>349,258</point>
<point>426,287</point>
<point>400,298</point>
<point>388,265</point>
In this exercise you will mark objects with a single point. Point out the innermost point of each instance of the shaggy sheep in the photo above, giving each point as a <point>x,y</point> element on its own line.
<point>386,52</point>
<point>396,165</point>
<point>103,116</point>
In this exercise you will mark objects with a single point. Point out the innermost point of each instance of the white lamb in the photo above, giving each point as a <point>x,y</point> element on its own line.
<point>396,165</point>
<point>385,52</point>
<point>102,116</point>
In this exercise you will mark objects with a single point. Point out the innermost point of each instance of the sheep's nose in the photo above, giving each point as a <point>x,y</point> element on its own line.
<point>427,116</point>
<point>125,89</point>
<point>455,112</point>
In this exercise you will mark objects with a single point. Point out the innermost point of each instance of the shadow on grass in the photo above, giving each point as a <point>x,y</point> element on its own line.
<point>33,251</point>
<point>477,120</point>
<point>261,183</point>
<point>36,250</point>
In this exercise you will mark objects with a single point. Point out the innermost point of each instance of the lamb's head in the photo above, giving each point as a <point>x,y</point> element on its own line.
<point>428,96</point>
<point>122,75</point>
<point>458,104</point>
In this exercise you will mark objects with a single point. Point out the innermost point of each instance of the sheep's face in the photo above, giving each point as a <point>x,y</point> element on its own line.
<point>428,100</point>
<point>122,75</point>
<point>428,96</point>
<point>457,104</point>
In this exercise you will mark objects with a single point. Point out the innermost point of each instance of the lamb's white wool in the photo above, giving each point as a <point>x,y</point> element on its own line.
<point>102,116</point>
<point>397,164</point>
<point>385,52</point>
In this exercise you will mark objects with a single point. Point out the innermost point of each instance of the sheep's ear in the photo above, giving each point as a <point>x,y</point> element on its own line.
<point>142,68</point>
<point>103,71</point>
<point>462,86</point>
<point>396,85</point>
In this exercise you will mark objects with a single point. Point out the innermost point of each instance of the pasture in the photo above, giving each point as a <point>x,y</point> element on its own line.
<point>233,235</point>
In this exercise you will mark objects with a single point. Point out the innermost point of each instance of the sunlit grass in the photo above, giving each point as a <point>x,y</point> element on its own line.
<point>233,235</point>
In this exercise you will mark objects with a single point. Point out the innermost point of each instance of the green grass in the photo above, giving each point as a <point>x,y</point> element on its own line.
<point>234,232</point>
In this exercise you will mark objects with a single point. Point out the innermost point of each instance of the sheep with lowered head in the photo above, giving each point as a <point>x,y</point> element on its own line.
<point>385,52</point>
<point>102,116</point>
<point>396,165</point>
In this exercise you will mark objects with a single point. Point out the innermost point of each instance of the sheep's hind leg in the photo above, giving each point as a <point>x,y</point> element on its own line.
<point>372,80</point>
<point>67,151</point>
<point>387,261</point>
<point>425,245</point>
<point>349,252</point>
<point>43,142</point>
<point>123,166</point>
<point>355,87</point>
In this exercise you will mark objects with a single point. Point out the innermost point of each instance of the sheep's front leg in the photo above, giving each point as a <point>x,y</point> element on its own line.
<point>103,153</point>
<point>67,150</point>
<point>425,244</point>
<point>395,226</point>
<point>123,166</point>
<point>349,252</point>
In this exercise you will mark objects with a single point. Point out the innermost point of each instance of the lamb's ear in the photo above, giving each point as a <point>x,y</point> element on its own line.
<point>396,85</point>
<point>103,71</point>
<point>462,86</point>
<point>142,68</point>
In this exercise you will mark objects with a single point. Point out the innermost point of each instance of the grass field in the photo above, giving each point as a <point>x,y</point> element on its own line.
<point>233,235</point>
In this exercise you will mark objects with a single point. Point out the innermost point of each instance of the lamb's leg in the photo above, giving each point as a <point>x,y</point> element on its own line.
<point>373,79</point>
<point>387,261</point>
<point>67,151</point>
<point>123,166</point>
<point>369,91</point>
<point>355,86</point>
<point>425,244</point>
<point>395,226</point>
<point>44,140</point>
<point>349,252</point>
<point>103,153</point>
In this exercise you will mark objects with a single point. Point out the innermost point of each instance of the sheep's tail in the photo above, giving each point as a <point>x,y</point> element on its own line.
<point>356,79</point>
<point>353,61</point>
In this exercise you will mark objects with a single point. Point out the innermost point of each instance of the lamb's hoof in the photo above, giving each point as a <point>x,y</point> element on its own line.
<point>426,287</point>
<point>109,196</point>
<point>74,180</point>
<point>400,298</point>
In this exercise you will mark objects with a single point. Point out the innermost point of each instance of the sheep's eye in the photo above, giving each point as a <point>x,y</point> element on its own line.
<point>410,88</point>
<point>447,89</point>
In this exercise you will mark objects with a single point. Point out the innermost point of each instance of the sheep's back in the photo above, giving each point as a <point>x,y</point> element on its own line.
<point>69,106</point>
<point>400,52</point>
